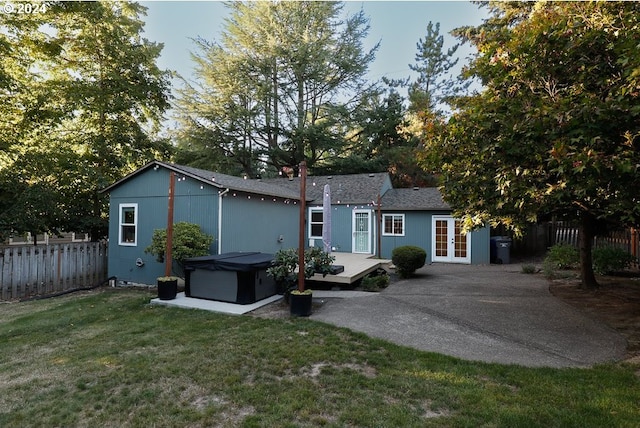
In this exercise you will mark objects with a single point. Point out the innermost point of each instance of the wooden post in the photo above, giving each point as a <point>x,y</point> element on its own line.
<point>167,251</point>
<point>303,194</point>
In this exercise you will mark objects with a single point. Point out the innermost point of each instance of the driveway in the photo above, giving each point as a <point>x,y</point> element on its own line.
<point>486,313</point>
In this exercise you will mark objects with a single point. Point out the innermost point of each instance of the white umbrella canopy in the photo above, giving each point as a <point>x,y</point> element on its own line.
<point>326,219</point>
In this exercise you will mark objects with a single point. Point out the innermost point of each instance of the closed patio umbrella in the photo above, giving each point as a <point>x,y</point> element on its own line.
<point>326,219</point>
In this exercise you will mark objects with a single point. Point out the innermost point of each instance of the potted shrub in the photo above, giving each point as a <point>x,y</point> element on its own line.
<point>188,241</point>
<point>167,287</point>
<point>284,273</point>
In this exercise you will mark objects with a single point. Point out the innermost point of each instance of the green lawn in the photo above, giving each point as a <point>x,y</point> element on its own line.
<point>108,358</point>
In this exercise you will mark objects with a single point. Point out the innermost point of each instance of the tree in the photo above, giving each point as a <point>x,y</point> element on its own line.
<point>555,129</point>
<point>279,86</point>
<point>377,144</point>
<point>435,82</point>
<point>93,98</point>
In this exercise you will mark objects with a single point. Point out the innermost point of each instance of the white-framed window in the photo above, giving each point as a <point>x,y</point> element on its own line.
<point>316,217</point>
<point>128,227</point>
<point>393,224</point>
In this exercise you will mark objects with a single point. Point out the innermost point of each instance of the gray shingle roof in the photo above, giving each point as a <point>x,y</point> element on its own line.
<point>238,183</point>
<point>216,179</point>
<point>345,189</point>
<point>424,198</point>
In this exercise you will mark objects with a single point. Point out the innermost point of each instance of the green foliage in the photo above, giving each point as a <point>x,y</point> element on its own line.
<point>271,91</point>
<point>408,259</point>
<point>528,269</point>
<point>434,83</point>
<point>80,99</point>
<point>607,260</point>
<point>562,256</point>
<point>188,241</point>
<point>555,127</point>
<point>286,262</point>
<point>283,269</point>
<point>375,282</point>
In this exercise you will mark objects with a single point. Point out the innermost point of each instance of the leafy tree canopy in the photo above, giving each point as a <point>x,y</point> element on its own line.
<point>81,100</point>
<point>280,85</point>
<point>556,126</point>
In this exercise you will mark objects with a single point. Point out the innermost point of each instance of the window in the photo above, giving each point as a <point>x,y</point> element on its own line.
<point>315,225</point>
<point>128,234</point>
<point>393,224</point>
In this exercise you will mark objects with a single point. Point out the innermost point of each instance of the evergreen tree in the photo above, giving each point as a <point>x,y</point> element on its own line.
<point>280,85</point>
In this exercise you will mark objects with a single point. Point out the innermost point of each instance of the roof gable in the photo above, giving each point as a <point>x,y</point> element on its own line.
<point>215,179</point>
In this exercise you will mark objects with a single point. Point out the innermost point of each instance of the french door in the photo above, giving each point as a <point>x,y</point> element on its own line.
<point>361,242</point>
<point>449,244</point>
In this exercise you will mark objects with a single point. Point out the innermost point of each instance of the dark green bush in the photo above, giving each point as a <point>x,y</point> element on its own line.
<point>375,282</point>
<point>562,256</point>
<point>607,260</point>
<point>188,241</point>
<point>286,262</point>
<point>408,259</point>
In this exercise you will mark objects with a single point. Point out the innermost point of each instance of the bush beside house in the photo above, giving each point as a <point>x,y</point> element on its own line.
<point>408,259</point>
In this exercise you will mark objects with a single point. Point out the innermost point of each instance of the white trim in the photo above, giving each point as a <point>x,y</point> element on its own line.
<point>450,257</point>
<point>135,224</point>
<point>220,197</point>
<point>310,222</point>
<point>354,233</point>
<point>393,233</point>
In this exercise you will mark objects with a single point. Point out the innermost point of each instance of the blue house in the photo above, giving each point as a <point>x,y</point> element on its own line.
<point>263,215</point>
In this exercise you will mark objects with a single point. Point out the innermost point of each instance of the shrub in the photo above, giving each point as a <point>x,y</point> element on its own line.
<point>607,260</point>
<point>374,282</point>
<point>286,262</point>
<point>408,259</point>
<point>188,241</point>
<point>529,269</point>
<point>562,256</point>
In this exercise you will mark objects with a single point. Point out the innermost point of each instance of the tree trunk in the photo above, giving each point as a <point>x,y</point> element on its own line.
<point>586,233</point>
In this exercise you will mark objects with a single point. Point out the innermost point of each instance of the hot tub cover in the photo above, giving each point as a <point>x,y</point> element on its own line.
<point>237,261</point>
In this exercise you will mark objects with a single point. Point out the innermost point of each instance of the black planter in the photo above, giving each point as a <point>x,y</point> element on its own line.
<point>167,290</point>
<point>300,304</point>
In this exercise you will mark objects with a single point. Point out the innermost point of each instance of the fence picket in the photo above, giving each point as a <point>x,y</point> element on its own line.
<point>28,271</point>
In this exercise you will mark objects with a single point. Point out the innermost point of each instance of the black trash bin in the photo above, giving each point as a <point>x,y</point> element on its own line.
<point>500,250</point>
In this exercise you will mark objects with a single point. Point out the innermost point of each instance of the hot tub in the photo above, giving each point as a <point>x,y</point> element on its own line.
<point>231,277</point>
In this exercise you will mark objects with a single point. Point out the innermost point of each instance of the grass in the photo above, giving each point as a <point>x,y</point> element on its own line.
<point>108,358</point>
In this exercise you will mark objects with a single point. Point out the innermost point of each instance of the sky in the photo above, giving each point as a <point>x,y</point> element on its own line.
<point>397,25</point>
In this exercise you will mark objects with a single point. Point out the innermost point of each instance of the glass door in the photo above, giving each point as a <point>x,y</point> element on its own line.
<point>361,232</point>
<point>449,243</point>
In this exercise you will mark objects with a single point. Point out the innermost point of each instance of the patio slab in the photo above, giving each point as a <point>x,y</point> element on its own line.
<point>181,301</point>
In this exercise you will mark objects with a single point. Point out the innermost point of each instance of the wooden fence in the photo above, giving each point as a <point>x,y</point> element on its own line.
<point>48,269</point>
<point>627,240</point>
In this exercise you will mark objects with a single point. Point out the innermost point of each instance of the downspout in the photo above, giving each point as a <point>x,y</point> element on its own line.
<point>220,195</point>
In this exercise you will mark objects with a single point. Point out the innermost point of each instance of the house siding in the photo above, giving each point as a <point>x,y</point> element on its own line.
<point>480,246</point>
<point>418,232</point>
<point>194,203</point>
<point>254,223</point>
<point>251,222</point>
<point>342,228</point>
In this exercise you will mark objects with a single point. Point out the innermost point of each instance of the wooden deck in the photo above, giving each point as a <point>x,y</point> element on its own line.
<point>356,266</point>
